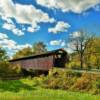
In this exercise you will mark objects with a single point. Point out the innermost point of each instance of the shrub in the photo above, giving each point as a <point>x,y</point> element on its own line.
<point>82,83</point>
<point>6,70</point>
<point>96,86</point>
<point>74,65</point>
<point>60,79</point>
<point>16,69</point>
<point>69,80</point>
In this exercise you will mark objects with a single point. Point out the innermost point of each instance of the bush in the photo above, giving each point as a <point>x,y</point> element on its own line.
<point>69,80</point>
<point>16,69</point>
<point>82,83</point>
<point>96,86</point>
<point>6,70</point>
<point>74,65</point>
<point>59,79</point>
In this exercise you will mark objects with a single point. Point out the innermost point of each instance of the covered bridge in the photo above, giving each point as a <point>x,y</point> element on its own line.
<point>43,62</point>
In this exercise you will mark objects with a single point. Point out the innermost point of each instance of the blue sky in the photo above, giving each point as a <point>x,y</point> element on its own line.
<point>24,22</point>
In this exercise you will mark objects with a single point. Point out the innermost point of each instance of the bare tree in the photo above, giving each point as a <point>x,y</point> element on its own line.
<point>78,42</point>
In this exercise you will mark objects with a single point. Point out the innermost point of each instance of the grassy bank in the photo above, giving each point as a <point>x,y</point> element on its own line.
<point>25,90</point>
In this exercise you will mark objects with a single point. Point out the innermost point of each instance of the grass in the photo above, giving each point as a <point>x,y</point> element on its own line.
<point>25,90</point>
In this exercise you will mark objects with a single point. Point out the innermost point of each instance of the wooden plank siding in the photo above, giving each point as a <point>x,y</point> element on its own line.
<point>43,63</point>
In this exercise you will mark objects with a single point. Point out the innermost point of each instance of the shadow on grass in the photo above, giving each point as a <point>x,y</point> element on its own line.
<point>14,86</point>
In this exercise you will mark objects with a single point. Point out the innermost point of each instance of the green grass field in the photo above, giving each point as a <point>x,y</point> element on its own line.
<point>25,90</point>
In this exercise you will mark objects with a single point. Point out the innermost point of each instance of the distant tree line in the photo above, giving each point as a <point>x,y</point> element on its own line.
<point>37,48</point>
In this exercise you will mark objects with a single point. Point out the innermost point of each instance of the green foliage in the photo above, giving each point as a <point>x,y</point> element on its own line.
<point>58,79</point>
<point>79,41</point>
<point>29,89</point>
<point>96,86</point>
<point>73,65</point>
<point>6,70</point>
<point>39,48</point>
<point>91,58</point>
<point>23,52</point>
<point>16,69</point>
<point>69,80</point>
<point>3,55</point>
<point>83,83</point>
<point>24,90</point>
<point>92,53</point>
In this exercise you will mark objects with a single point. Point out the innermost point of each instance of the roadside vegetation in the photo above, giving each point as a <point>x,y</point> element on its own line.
<point>70,81</point>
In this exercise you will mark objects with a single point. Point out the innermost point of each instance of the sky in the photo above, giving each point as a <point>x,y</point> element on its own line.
<point>25,22</point>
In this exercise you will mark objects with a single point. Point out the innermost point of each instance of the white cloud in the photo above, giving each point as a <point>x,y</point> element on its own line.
<point>63,43</point>
<point>57,43</point>
<point>17,47</point>
<point>12,27</point>
<point>24,14</point>
<point>8,26</point>
<point>76,34</point>
<point>10,45</point>
<point>3,36</point>
<point>7,43</point>
<point>23,28</point>
<point>17,32</point>
<point>77,6</point>
<point>59,27</point>
<point>8,20</point>
<point>97,7</point>
<point>68,50</point>
<point>31,29</point>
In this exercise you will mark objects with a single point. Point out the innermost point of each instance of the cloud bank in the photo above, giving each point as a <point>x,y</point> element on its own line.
<point>77,6</point>
<point>24,14</point>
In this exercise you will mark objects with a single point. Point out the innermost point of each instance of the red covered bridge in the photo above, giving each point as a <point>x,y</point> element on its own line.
<point>43,62</point>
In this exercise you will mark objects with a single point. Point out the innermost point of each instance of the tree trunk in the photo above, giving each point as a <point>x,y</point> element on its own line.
<point>81,60</point>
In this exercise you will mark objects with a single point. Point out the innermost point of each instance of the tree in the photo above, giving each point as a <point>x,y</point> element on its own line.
<point>3,54</point>
<point>23,52</point>
<point>39,48</point>
<point>92,53</point>
<point>79,42</point>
